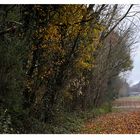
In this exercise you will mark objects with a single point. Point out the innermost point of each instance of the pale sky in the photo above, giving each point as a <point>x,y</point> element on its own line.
<point>134,75</point>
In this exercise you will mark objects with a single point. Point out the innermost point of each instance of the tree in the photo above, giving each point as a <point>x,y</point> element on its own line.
<point>57,58</point>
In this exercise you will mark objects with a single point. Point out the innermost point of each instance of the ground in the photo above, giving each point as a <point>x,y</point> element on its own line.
<point>125,119</point>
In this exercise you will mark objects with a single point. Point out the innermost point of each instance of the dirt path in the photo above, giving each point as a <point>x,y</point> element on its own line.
<point>125,121</point>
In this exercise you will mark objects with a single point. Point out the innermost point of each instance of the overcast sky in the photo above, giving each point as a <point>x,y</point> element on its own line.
<point>134,76</point>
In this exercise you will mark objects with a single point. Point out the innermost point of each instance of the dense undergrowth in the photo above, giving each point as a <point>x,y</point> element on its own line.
<point>65,123</point>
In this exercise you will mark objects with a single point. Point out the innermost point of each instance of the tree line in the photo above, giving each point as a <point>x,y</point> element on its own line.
<point>59,58</point>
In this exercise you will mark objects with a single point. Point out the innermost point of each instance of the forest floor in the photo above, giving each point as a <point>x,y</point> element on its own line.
<point>124,119</point>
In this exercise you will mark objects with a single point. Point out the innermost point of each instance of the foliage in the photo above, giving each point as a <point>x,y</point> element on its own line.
<point>57,61</point>
<point>5,123</point>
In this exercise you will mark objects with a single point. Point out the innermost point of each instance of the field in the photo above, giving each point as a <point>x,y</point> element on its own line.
<point>131,103</point>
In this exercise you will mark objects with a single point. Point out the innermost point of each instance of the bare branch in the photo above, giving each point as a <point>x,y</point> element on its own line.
<point>104,36</point>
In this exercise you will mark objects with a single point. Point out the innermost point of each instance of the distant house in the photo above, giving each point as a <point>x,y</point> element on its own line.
<point>135,90</point>
<point>136,87</point>
<point>134,94</point>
